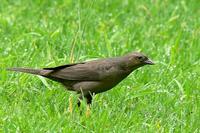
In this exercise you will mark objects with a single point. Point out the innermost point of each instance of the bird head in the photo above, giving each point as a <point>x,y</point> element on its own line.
<point>137,59</point>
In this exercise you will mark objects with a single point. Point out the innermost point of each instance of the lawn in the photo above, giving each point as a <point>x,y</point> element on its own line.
<point>160,98</point>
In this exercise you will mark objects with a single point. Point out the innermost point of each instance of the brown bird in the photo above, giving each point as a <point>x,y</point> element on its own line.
<point>92,77</point>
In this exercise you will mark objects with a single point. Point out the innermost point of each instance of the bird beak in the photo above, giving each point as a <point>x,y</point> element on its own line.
<point>149,62</point>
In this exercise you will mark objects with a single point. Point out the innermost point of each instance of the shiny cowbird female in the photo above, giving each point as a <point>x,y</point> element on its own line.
<point>92,77</point>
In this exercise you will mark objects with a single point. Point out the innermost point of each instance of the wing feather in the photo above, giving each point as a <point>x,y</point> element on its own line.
<point>62,66</point>
<point>80,72</point>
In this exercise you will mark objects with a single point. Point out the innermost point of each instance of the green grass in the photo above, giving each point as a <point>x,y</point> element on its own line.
<point>160,98</point>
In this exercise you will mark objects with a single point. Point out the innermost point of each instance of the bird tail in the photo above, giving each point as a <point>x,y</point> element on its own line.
<point>26,70</point>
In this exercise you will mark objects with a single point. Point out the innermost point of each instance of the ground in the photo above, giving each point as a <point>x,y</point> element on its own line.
<point>160,98</point>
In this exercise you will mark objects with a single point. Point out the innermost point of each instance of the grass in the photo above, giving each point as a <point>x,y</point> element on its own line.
<point>160,98</point>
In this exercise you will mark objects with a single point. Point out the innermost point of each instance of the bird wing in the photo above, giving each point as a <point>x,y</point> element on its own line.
<point>62,66</point>
<point>75,72</point>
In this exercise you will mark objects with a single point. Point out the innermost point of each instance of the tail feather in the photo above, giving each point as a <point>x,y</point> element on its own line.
<point>26,70</point>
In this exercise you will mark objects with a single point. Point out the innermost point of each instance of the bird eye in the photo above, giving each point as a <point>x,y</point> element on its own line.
<point>140,58</point>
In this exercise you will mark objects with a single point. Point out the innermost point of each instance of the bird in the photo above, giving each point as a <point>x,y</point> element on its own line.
<point>92,77</point>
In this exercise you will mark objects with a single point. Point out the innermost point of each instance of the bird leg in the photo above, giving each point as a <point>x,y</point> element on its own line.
<point>88,98</point>
<point>79,100</point>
